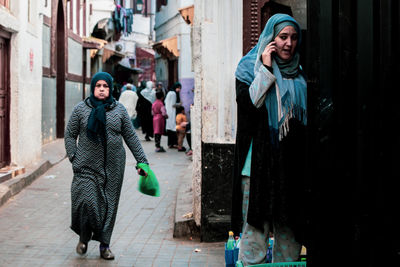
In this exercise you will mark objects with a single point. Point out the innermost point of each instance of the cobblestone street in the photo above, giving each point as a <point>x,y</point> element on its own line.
<point>35,231</point>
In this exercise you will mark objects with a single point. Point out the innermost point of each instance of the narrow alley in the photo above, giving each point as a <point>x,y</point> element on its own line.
<point>35,231</point>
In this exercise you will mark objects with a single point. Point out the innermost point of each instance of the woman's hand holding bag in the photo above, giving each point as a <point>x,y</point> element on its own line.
<point>148,185</point>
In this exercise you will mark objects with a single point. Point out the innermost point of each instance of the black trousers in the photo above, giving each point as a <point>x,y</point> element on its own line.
<point>172,138</point>
<point>189,140</point>
<point>157,140</point>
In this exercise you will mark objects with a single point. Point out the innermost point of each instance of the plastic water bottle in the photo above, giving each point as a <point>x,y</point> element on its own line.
<point>230,244</point>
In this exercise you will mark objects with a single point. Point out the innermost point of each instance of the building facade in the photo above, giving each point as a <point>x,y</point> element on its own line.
<point>65,63</point>
<point>20,82</point>
<point>173,47</point>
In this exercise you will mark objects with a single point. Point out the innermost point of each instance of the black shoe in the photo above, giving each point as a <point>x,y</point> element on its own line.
<point>160,149</point>
<point>147,138</point>
<point>81,248</point>
<point>106,253</point>
<point>182,149</point>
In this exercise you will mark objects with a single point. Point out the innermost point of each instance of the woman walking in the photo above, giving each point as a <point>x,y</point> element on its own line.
<point>147,96</point>
<point>269,173</point>
<point>159,116</point>
<point>172,101</point>
<point>99,123</point>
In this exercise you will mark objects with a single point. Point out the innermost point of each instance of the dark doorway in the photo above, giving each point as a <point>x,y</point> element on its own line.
<point>4,101</point>
<point>172,72</point>
<point>352,57</point>
<point>60,65</point>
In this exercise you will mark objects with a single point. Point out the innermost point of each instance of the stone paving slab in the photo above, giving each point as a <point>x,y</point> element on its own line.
<point>34,224</point>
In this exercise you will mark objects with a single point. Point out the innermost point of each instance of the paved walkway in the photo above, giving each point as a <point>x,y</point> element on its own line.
<point>34,224</point>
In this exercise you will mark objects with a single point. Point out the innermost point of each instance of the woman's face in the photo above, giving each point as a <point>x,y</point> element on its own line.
<point>286,42</point>
<point>101,90</point>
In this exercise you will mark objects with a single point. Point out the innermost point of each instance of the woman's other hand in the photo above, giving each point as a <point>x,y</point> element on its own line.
<point>266,54</point>
<point>141,172</point>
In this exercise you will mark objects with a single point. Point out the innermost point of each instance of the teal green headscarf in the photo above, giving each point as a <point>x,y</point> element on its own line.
<point>97,118</point>
<point>289,98</point>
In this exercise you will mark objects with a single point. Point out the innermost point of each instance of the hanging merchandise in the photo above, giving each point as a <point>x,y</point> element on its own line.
<point>117,19</point>
<point>129,20</point>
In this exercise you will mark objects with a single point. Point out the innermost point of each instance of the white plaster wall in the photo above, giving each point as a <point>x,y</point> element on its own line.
<point>221,51</point>
<point>26,84</point>
<point>45,10</point>
<point>101,9</point>
<point>46,35</point>
<point>185,50</point>
<point>74,57</point>
<point>217,48</point>
<point>195,112</point>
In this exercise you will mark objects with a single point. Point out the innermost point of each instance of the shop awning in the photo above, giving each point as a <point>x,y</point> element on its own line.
<point>109,52</point>
<point>93,42</point>
<point>126,64</point>
<point>167,48</point>
<point>187,14</point>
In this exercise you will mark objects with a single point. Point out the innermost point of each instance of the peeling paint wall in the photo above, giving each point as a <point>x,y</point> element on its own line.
<point>49,110</point>
<point>217,46</point>
<point>221,45</point>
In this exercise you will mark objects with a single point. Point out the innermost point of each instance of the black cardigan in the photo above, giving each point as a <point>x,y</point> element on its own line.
<point>277,184</point>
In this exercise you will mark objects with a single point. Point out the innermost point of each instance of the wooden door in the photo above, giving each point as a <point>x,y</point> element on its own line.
<point>4,103</point>
<point>172,72</point>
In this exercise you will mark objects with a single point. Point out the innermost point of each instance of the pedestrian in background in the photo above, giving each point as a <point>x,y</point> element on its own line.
<point>189,139</point>
<point>129,99</point>
<point>172,101</point>
<point>99,124</point>
<point>137,121</point>
<point>181,122</point>
<point>130,84</point>
<point>161,87</point>
<point>147,96</point>
<point>159,116</point>
<point>269,166</point>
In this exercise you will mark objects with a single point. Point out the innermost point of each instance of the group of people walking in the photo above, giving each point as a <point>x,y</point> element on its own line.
<point>159,113</point>
<point>162,114</point>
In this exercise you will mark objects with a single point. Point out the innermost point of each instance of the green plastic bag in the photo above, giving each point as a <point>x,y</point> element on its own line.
<point>148,185</point>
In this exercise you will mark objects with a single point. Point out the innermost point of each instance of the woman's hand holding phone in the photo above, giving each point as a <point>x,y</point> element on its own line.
<point>266,54</point>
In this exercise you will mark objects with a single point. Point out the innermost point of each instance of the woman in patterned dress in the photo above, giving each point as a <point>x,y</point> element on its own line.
<point>93,141</point>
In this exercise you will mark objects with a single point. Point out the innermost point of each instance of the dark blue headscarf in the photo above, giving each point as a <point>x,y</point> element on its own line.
<point>289,98</point>
<point>97,119</point>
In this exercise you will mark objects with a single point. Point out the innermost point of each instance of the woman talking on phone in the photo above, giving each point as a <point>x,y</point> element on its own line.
<point>268,188</point>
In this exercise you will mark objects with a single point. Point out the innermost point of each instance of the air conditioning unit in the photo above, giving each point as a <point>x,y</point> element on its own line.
<point>120,47</point>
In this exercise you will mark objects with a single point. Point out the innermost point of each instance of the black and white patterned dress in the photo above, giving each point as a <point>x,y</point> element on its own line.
<point>98,172</point>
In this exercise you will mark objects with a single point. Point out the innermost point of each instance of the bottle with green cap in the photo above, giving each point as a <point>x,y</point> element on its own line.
<point>230,244</point>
